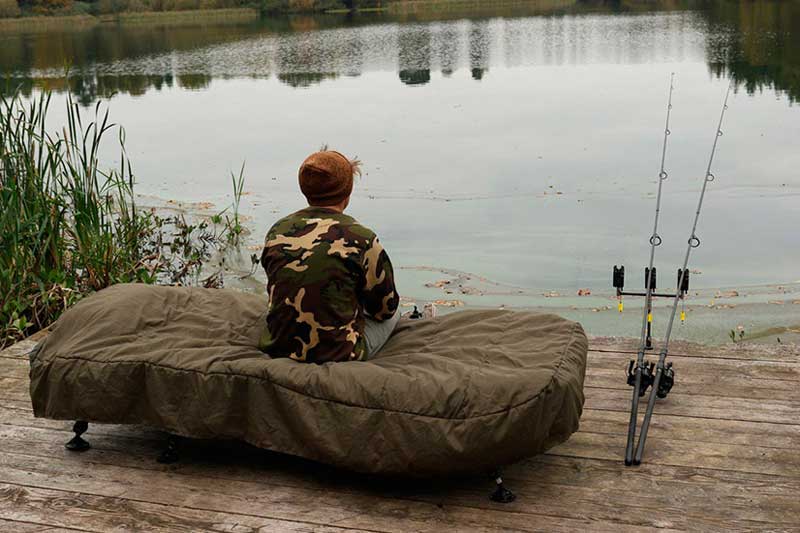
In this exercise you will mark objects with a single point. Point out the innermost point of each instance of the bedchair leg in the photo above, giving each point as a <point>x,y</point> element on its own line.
<point>501,494</point>
<point>77,444</point>
<point>170,454</point>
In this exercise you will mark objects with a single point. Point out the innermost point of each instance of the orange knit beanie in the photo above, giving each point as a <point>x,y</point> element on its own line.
<point>326,178</point>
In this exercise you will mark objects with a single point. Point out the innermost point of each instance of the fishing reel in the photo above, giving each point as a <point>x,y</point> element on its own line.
<point>667,381</point>
<point>648,376</point>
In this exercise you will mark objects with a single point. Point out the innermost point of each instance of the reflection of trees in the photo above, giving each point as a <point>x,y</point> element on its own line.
<point>448,46</point>
<point>755,43</point>
<point>414,54</point>
<point>353,51</point>
<point>88,87</point>
<point>317,56</point>
<point>38,60</point>
<point>764,48</point>
<point>479,41</point>
<point>305,79</point>
<point>191,81</point>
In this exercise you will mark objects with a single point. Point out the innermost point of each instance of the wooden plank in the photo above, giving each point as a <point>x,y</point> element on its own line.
<point>695,430</point>
<point>701,406</point>
<point>723,369</point>
<point>741,350</point>
<point>110,514</point>
<point>286,471</point>
<point>21,349</point>
<point>354,509</point>
<point>593,421</point>
<point>13,417</point>
<point>737,496</point>
<point>704,382</point>
<point>540,491</point>
<point>661,449</point>
<point>13,368</point>
<point>749,465</point>
<point>30,527</point>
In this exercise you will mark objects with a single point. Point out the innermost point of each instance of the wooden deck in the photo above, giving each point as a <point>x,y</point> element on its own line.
<point>723,454</point>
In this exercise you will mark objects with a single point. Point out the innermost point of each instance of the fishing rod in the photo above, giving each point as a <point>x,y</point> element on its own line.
<point>642,374</point>
<point>693,242</point>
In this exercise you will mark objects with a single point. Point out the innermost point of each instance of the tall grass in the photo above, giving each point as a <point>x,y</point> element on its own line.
<point>69,227</point>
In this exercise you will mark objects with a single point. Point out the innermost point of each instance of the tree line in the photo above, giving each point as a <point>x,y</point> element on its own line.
<point>17,8</point>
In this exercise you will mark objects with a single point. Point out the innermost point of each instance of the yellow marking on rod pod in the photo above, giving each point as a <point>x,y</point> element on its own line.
<point>649,317</point>
<point>683,316</point>
<point>619,307</point>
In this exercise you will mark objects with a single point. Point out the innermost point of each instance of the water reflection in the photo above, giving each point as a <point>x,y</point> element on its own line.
<point>414,55</point>
<point>761,47</point>
<point>479,49</point>
<point>755,43</point>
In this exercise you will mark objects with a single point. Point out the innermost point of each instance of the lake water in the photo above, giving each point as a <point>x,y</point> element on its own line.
<point>511,150</point>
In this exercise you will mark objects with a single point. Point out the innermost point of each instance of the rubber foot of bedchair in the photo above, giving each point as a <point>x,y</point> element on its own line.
<point>501,494</point>
<point>76,443</point>
<point>170,454</point>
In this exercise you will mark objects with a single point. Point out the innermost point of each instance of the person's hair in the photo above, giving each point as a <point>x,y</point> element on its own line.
<point>355,162</point>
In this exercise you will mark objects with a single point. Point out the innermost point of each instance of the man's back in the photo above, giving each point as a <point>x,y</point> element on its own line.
<point>326,274</point>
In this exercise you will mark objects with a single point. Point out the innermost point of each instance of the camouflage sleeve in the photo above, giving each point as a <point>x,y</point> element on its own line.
<point>380,296</point>
<point>265,251</point>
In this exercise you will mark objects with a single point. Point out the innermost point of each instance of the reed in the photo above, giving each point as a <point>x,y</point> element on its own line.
<point>69,227</point>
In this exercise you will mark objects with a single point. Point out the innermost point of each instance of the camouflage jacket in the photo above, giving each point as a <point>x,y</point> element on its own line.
<point>325,272</point>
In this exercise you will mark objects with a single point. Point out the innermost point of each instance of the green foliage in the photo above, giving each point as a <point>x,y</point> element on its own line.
<point>233,223</point>
<point>104,7</point>
<point>68,227</point>
<point>46,7</point>
<point>297,6</point>
<point>9,9</point>
<point>81,8</point>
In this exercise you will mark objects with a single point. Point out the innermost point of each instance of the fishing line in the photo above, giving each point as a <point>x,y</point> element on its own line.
<point>660,390</point>
<point>655,241</point>
<point>640,373</point>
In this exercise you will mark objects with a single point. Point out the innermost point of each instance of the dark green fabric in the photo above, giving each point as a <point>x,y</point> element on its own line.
<point>463,392</point>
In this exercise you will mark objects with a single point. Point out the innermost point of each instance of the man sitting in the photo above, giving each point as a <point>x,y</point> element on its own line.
<point>331,286</point>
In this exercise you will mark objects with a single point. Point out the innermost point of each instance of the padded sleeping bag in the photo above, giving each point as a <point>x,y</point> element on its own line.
<point>468,391</point>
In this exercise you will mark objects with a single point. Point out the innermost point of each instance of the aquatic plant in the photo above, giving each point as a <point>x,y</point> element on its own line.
<point>232,224</point>
<point>69,227</point>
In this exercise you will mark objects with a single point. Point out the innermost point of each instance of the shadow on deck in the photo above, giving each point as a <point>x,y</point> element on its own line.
<point>723,454</point>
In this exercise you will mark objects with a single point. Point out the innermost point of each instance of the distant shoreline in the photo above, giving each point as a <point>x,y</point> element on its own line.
<point>251,11</point>
<point>56,22</point>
